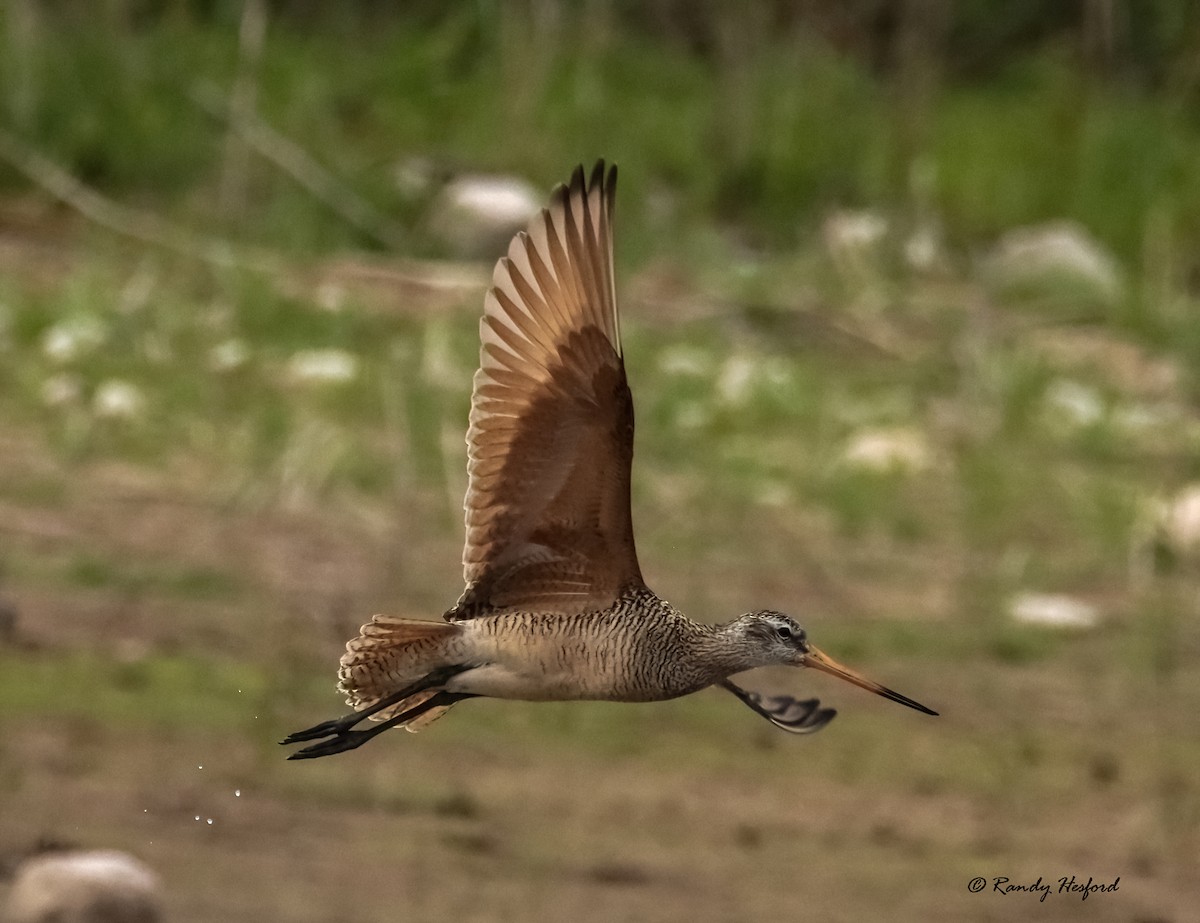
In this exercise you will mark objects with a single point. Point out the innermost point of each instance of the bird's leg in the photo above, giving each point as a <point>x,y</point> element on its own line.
<point>348,740</point>
<point>344,723</point>
<point>797,716</point>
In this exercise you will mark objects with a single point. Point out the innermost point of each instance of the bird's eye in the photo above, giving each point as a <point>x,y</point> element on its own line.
<point>784,632</point>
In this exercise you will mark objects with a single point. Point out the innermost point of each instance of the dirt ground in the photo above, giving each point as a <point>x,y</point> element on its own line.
<point>500,812</point>
<point>143,598</point>
<point>497,835</point>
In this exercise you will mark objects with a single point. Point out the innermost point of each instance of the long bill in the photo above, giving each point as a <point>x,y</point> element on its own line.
<point>822,661</point>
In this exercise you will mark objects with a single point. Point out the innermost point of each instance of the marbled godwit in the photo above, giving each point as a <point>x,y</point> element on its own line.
<point>555,607</point>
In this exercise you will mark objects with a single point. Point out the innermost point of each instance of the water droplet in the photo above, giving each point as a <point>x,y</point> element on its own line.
<point>237,793</point>
<point>210,821</point>
<point>197,817</point>
<point>201,766</point>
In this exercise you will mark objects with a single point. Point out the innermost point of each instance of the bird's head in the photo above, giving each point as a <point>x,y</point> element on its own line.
<point>776,639</point>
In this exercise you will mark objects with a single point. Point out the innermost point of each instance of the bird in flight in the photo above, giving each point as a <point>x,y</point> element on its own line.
<point>555,607</point>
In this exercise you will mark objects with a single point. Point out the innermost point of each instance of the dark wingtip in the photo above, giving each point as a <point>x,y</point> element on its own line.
<point>604,175</point>
<point>577,179</point>
<point>598,175</point>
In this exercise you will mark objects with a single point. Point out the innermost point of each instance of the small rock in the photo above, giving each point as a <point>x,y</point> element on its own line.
<point>102,886</point>
<point>1181,520</point>
<point>923,250</point>
<point>1057,252</point>
<point>899,449</point>
<point>71,338</point>
<point>118,400</point>
<point>853,234</point>
<point>475,216</point>
<point>736,380</point>
<point>228,355</point>
<point>1053,610</point>
<point>322,366</point>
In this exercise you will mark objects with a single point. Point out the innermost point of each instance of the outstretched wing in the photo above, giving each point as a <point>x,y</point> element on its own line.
<point>550,443</point>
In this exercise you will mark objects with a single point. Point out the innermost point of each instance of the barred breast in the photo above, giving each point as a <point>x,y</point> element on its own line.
<point>637,651</point>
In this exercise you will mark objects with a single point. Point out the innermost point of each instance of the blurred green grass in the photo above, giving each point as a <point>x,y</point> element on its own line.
<point>752,383</point>
<point>764,131</point>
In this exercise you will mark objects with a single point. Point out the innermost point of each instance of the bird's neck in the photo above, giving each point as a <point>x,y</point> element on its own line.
<point>725,650</point>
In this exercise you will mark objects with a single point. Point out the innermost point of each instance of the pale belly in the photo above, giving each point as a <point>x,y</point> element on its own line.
<point>538,668</point>
<point>501,681</point>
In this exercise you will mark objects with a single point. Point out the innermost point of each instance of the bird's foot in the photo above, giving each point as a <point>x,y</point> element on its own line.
<point>340,742</point>
<point>342,737</point>
<point>324,729</point>
<point>797,716</point>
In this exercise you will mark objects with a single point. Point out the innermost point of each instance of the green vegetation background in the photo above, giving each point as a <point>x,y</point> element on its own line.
<point>185,571</point>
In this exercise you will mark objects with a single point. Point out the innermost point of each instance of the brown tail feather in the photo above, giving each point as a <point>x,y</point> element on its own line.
<point>389,654</point>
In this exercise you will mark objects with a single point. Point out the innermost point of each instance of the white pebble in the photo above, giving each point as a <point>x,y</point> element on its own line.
<point>71,338</point>
<point>79,886</point>
<point>737,378</point>
<point>118,400</point>
<point>1053,610</point>
<point>882,450</point>
<point>322,366</point>
<point>1181,520</point>
<point>228,355</point>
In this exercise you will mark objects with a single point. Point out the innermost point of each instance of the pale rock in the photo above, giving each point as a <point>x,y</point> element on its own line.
<point>69,339</point>
<point>101,886</point>
<point>850,233</point>
<point>923,250</point>
<point>116,399</point>
<point>735,384</point>
<point>1056,252</point>
<point>1181,520</point>
<point>898,449</point>
<point>322,366</point>
<point>476,216</point>
<point>228,355</point>
<point>1053,610</point>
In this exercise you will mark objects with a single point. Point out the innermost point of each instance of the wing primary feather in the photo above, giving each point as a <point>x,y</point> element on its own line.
<point>551,423</point>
